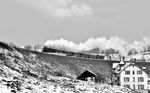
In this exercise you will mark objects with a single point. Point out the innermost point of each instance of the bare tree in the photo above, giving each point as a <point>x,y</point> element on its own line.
<point>132,51</point>
<point>37,47</point>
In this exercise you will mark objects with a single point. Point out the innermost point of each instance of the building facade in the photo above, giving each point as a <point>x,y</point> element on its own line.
<point>134,77</point>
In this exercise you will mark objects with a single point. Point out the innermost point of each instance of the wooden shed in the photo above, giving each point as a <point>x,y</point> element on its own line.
<point>87,76</point>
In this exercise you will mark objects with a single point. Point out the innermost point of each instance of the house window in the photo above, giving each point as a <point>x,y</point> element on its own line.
<point>139,72</point>
<point>127,72</point>
<point>127,86</point>
<point>140,86</point>
<point>126,79</point>
<point>133,79</point>
<point>133,86</point>
<point>148,82</point>
<point>140,79</point>
<point>133,72</point>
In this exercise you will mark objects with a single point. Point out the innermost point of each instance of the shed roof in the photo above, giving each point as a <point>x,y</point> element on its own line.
<point>86,73</point>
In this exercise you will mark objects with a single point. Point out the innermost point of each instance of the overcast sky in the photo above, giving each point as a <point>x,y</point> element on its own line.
<point>35,21</point>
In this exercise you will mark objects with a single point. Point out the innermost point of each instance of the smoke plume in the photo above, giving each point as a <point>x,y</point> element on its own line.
<point>103,43</point>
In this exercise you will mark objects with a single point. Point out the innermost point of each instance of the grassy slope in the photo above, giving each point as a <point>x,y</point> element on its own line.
<point>13,66</point>
<point>71,66</point>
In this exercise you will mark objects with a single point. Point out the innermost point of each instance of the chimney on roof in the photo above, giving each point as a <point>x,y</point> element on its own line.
<point>123,58</point>
<point>122,61</point>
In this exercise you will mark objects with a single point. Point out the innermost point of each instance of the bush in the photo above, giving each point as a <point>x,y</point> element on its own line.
<point>100,78</point>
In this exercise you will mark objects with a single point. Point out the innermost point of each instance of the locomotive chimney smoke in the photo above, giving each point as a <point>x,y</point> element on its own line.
<point>102,43</point>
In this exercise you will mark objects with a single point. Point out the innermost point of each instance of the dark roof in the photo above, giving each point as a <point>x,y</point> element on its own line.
<point>86,73</point>
<point>145,66</point>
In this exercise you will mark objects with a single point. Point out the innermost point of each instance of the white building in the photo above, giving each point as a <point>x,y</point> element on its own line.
<point>134,78</point>
<point>134,75</point>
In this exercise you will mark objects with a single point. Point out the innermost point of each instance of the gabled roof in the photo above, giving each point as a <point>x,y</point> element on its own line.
<point>144,66</point>
<point>87,73</point>
<point>122,67</point>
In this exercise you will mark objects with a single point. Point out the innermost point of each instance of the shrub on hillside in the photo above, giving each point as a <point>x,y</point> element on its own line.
<point>100,78</point>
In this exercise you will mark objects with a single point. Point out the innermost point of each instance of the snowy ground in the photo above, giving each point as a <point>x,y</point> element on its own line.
<point>140,57</point>
<point>14,80</point>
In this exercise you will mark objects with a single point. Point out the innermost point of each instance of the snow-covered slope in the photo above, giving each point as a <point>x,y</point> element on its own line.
<point>140,57</point>
<point>20,73</point>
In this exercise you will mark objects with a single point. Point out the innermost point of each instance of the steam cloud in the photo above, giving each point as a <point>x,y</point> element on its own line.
<point>103,43</point>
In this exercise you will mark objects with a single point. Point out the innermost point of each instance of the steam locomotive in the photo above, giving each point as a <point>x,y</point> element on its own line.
<point>73,54</point>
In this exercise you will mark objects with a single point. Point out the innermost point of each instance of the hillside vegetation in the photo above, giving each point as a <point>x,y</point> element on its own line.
<point>67,66</point>
<point>24,71</point>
